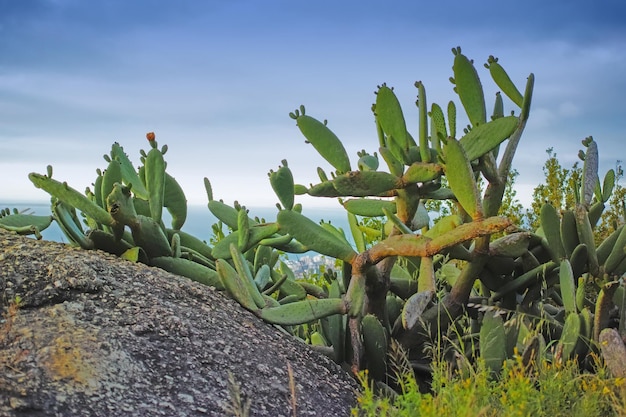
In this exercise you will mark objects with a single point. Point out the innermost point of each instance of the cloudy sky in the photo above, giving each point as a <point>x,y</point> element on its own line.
<point>216,80</point>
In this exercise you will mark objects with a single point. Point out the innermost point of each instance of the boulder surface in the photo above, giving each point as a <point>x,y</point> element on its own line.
<point>95,335</point>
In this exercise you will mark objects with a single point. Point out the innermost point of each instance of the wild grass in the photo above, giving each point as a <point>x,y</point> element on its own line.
<point>240,407</point>
<point>548,389</point>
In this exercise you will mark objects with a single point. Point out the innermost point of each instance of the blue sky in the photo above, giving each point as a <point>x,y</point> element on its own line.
<point>216,80</point>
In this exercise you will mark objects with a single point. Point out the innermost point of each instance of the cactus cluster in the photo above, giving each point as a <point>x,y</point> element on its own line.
<point>417,284</point>
<point>391,289</point>
<point>421,283</point>
<point>122,214</point>
<point>24,223</point>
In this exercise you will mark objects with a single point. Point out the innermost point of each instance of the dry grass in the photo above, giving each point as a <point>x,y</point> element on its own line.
<point>239,407</point>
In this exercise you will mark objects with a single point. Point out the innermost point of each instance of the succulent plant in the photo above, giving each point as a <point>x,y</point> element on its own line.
<point>418,283</point>
<point>552,280</point>
<point>24,223</point>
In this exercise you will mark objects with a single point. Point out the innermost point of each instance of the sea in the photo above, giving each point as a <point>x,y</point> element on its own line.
<point>200,220</point>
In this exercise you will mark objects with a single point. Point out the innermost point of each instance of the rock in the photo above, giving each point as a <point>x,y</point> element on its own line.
<point>95,335</point>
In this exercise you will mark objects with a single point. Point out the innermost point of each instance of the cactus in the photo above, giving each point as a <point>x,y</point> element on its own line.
<point>415,171</point>
<point>126,198</point>
<point>492,341</point>
<point>473,275</point>
<point>282,183</point>
<point>560,257</point>
<point>323,139</point>
<point>468,87</point>
<point>24,223</point>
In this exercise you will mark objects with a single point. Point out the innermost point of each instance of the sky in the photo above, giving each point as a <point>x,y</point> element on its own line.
<point>216,80</point>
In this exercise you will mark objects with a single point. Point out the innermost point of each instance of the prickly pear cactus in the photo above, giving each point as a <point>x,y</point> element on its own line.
<point>423,281</point>
<point>24,223</point>
<point>402,280</point>
<point>399,272</point>
<point>124,199</point>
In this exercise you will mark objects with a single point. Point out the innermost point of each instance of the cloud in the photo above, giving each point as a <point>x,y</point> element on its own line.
<point>216,80</point>
<point>569,109</point>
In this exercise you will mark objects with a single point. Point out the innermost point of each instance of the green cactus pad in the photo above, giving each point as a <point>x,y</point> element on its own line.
<point>595,212</point>
<point>111,175</point>
<point>323,189</point>
<point>107,242</point>
<point>189,241</point>
<point>236,285</point>
<point>389,115</point>
<point>357,234</point>
<point>368,163</point>
<point>301,312</point>
<point>283,185</point>
<point>461,178</point>
<point>375,344</point>
<point>422,172</point>
<point>607,185</point>
<point>365,183</point>
<point>493,341</point>
<point>425,155</point>
<point>396,167</point>
<point>288,287</point>
<point>155,182</point>
<point>25,223</point>
<point>243,229</point>
<point>243,270</point>
<point>512,246</point>
<point>498,110</point>
<point>325,142</point>
<point>314,237</point>
<point>503,81</point>
<point>551,226</point>
<point>569,235</point>
<point>568,286</point>
<point>468,87</point>
<point>616,254</point>
<point>226,214</point>
<point>71,197</point>
<point>257,233</point>
<point>486,137</point>
<point>189,269</point>
<point>70,225</point>
<point>585,235</point>
<point>570,336</point>
<point>129,174</point>
<point>369,207</point>
<point>452,118</point>
<point>175,202</point>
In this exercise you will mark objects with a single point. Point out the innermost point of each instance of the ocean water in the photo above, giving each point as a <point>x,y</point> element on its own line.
<point>199,219</point>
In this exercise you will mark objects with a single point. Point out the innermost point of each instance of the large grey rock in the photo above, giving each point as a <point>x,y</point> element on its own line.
<point>99,336</point>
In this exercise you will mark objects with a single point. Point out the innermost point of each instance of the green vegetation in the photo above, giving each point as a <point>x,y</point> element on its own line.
<point>560,188</point>
<point>23,223</point>
<point>481,284</point>
<point>555,390</point>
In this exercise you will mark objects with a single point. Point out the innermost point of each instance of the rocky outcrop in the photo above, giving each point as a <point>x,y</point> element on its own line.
<point>95,335</point>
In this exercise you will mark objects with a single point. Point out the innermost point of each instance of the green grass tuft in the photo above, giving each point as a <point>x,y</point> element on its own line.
<point>552,390</point>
